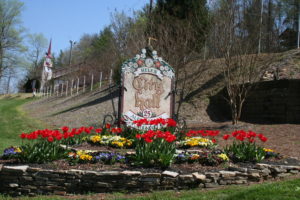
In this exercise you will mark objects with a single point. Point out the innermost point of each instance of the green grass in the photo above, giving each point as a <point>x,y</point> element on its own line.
<point>13,121</point>
<point>284,190</point>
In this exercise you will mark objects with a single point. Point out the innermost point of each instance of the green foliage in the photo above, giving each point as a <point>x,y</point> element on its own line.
<point>41,151</point>
<point>157,153</point>
<point>185,13</point>
<point>245,151</point>
<point>103,41</point>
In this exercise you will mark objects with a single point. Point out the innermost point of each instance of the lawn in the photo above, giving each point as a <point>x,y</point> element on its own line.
<point>13,121</point>
<point>284,190</point>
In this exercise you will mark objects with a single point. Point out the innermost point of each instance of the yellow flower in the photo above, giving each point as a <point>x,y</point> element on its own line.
<point>85,157</point>
<point>95,138</point>
<point>83,152</point>
<point>117,143</point>
<point>128,143</point>
<point>197,141</point>
<point>223,156</point>
<point>18,150</point>
<point>268,150</point>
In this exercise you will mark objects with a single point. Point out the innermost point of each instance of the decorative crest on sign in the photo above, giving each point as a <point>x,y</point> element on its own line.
<point>152,64</point>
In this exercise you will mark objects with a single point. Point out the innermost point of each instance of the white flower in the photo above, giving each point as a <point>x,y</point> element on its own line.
<point>162,68</point>
<point>170,74</point>
<point>155,57</point>
<point>149,62</point>
<point>143,56</point>
<point>130,64</point>
<point>135,65</point>
<point>143,51</point>
<point>137,56</point>
<point>154,53</point>
<point>160,58</point>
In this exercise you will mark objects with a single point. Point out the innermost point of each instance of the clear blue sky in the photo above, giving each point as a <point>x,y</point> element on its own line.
<point>64,20</point>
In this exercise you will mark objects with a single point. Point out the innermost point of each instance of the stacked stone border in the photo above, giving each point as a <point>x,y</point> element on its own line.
<point>25,180</point>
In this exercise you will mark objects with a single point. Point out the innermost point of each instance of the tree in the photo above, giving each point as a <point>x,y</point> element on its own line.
<point>180,28</point>
<point>290,14</point>
<point>37,48</point>
<point>242,66</point>
<point>10,32</point>
<point>193,13</point>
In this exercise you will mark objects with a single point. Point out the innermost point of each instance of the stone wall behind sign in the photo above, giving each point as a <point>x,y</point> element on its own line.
<point>148,83</point>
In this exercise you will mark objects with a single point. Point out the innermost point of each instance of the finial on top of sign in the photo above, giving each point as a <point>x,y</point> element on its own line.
<point>149,48</point>
<point>149,40</point>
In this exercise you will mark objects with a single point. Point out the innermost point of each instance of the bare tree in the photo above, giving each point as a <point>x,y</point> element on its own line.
<point>177,43</point>
<point>10,31</point>
<point>38,44</point>
<point>242,65</point>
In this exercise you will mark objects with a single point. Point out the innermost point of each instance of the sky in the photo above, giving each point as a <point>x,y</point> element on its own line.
<point>65,20</point>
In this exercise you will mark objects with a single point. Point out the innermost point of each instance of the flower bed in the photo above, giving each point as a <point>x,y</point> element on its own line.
<point>166,147</point>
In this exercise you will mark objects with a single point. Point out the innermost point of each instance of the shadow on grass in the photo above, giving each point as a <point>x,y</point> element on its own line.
<point>105,98</point>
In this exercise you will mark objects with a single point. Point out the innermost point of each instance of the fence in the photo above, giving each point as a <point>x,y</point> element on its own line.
<point>75,86</point>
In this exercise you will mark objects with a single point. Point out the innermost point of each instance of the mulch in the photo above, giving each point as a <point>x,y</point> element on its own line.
<point>283,138</point>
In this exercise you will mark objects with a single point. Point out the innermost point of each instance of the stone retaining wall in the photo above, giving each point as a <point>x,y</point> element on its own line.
<point>25,180</point>
<point>267,102</point>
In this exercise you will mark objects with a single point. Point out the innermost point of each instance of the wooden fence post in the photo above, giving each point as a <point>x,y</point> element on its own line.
<point>77,85</point>
<point>62,89</point>
<point>67,86</point>
<point>110,77</point>
<point>72,87</point>
<point>92,82</point>
<point>100,84</point>
<point>83,83</point>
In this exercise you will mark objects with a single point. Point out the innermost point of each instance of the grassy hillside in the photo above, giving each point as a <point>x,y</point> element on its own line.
<point>89,108</point>
<point>13,120</point>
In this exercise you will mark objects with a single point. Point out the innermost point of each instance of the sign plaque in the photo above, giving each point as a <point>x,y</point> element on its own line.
<point>147,88</point>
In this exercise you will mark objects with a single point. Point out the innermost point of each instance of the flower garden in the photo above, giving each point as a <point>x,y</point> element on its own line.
<point>159,148</point>
<point>106,159</point>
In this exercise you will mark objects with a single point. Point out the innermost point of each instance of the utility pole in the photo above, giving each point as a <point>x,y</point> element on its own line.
<point>150,7</point>
<point>260,26</point>
<point>71,47</point>
<point>298,38</point>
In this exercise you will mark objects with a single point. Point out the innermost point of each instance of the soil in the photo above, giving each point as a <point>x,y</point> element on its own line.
<point>282,138</point>
<point>183,168</point>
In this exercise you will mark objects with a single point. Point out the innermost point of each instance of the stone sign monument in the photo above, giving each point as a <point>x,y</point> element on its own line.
<point>148,83</point>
